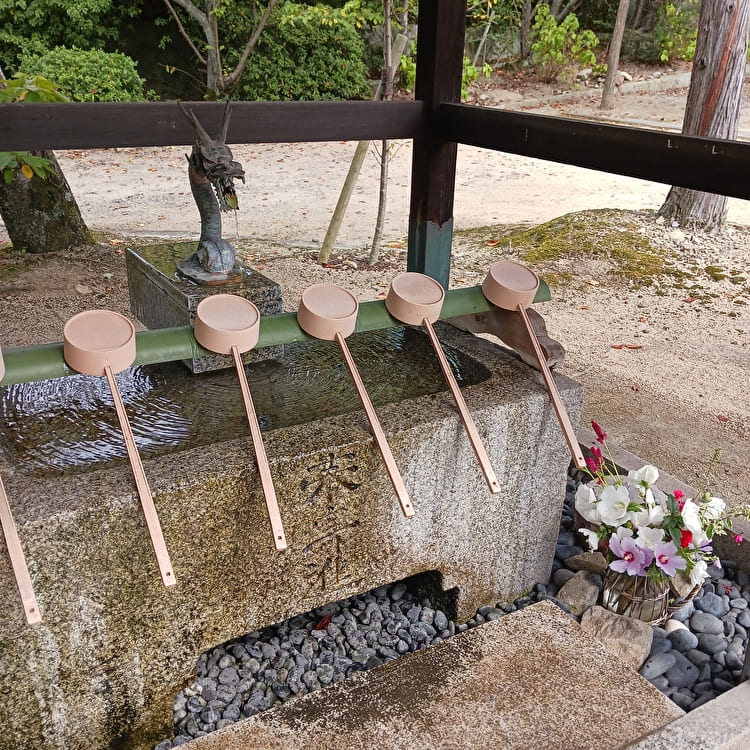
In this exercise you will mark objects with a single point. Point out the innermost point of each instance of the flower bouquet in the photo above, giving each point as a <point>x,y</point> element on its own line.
<point>657,546</point>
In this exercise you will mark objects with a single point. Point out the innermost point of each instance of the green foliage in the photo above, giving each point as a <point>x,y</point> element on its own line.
<point>309,53</point>
<point>29,165</point>
<point>30,27</point>
<point>676,30</point>
<point>26,88</point>
<point>557,46</point>
<point>408,69</point>
<point>89,75</point>
<point>470,74</point>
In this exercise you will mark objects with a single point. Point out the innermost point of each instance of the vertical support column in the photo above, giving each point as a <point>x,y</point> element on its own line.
<point>440,47</point>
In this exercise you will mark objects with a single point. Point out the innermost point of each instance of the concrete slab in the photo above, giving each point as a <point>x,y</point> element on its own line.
<point>720,724</point>
<point>531,680</point>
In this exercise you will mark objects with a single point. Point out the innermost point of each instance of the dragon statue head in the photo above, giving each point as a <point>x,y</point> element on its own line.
<point>211,158</point>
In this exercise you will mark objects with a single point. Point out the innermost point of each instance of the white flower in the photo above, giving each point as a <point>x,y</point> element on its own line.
<point>613,505</point>
<point>623,532</point>
<point>648,537</point>
<point>645,476</point>
<point>591,538</point>
<point>699,572</point>
<point>691,517</point>
<point>651,515</point>
<point>586,504</point>
<point>713,507</point>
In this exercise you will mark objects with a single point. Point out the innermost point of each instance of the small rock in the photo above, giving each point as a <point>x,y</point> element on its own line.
<point>713,604</point>
<point>683,640</point>
<point>591,561</point>
<point>711,644</point>
<point>398,591</point>
<point>624,636</point>
<point>580,592</point>
<point>683,673</point>
<point>657,665</point>
<point>703,622</point>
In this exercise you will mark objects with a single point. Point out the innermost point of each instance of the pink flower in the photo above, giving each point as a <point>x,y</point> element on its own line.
<point>601,436</point>
<point>738,538</point>
<point>666,558</point>
<point>679,498</point>
<point>633,559</point>
<point>595,461</point>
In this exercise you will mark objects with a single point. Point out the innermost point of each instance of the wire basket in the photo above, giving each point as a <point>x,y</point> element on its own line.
<point>639,597</point>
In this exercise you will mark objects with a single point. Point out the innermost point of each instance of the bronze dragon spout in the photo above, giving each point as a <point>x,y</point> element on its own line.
<point>212,171</point>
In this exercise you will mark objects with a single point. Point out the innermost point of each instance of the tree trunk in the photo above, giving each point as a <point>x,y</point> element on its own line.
<point>713,102</point>
<point>42,215</point>
<point>527,14</point>
<point>387,96</point>
<point>613,55</point>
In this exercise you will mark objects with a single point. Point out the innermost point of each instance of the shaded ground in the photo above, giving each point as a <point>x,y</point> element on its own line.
<point>664,359</point>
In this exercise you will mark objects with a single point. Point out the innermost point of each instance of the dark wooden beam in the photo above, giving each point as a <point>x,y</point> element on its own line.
<point>707,164</point>
<point>440,54</point>
<point>108,124</point>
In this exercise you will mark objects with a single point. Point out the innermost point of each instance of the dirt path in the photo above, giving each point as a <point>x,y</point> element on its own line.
<point>671,400</point>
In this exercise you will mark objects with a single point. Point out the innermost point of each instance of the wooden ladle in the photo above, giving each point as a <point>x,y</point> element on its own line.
<point>15,551</point>
<point>102,342</point>
<point>513,286</point>
<point>416,299</point>
<point>230,324</point>
<point>329,312</point>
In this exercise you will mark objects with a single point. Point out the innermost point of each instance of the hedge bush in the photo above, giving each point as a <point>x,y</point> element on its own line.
<point>88,75</point>
<point>305,56</point>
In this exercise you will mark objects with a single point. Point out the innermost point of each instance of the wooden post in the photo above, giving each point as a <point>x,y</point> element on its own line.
<point>440,51</point>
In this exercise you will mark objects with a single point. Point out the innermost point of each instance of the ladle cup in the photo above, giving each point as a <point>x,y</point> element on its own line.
<point>416,299</point>
<point>102,342</point>
<point>229,324</point>
<point>15,551</point>
<point>512,286</point>
<point>329,312</point>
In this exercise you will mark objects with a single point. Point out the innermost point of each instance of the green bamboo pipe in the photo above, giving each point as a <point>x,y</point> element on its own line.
<point>46,361</point>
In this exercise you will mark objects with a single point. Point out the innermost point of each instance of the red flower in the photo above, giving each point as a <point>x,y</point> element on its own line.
<point>678,494</point>
<point>601,436</point>
<point>686,537</point>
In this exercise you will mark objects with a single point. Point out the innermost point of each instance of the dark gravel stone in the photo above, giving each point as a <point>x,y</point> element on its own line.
<point>683,673</point>
<point>713,604</point>
<point>683,640</point>
<point>657,665</point>
<point>703,622</point>
<point>711,644</point>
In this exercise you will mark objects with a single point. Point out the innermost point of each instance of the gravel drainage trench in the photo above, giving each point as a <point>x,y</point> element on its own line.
<point>310,651</point>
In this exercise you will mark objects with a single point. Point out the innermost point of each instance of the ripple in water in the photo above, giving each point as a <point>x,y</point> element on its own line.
<point>70,424</point>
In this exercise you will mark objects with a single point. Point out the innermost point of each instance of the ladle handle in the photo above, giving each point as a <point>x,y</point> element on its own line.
<point>18,561</point>
<point>377,431</point>
<point>463,410</point>
<point>554,394</point>
<point>144,492</point>
<point>279,539</point>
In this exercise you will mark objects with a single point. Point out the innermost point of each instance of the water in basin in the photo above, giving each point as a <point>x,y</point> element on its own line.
<point>69,424</point>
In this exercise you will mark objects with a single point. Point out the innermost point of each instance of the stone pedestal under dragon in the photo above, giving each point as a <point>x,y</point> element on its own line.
<point>212,171</point>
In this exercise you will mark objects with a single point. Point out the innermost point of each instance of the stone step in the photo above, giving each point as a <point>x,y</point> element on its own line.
<point>533,679</point>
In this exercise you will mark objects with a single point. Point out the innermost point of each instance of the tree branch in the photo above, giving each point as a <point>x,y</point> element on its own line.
<point>231,79</point>
<point>197,15</point>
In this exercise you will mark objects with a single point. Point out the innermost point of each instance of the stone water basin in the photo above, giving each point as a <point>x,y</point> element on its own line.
<point>115,646</point>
